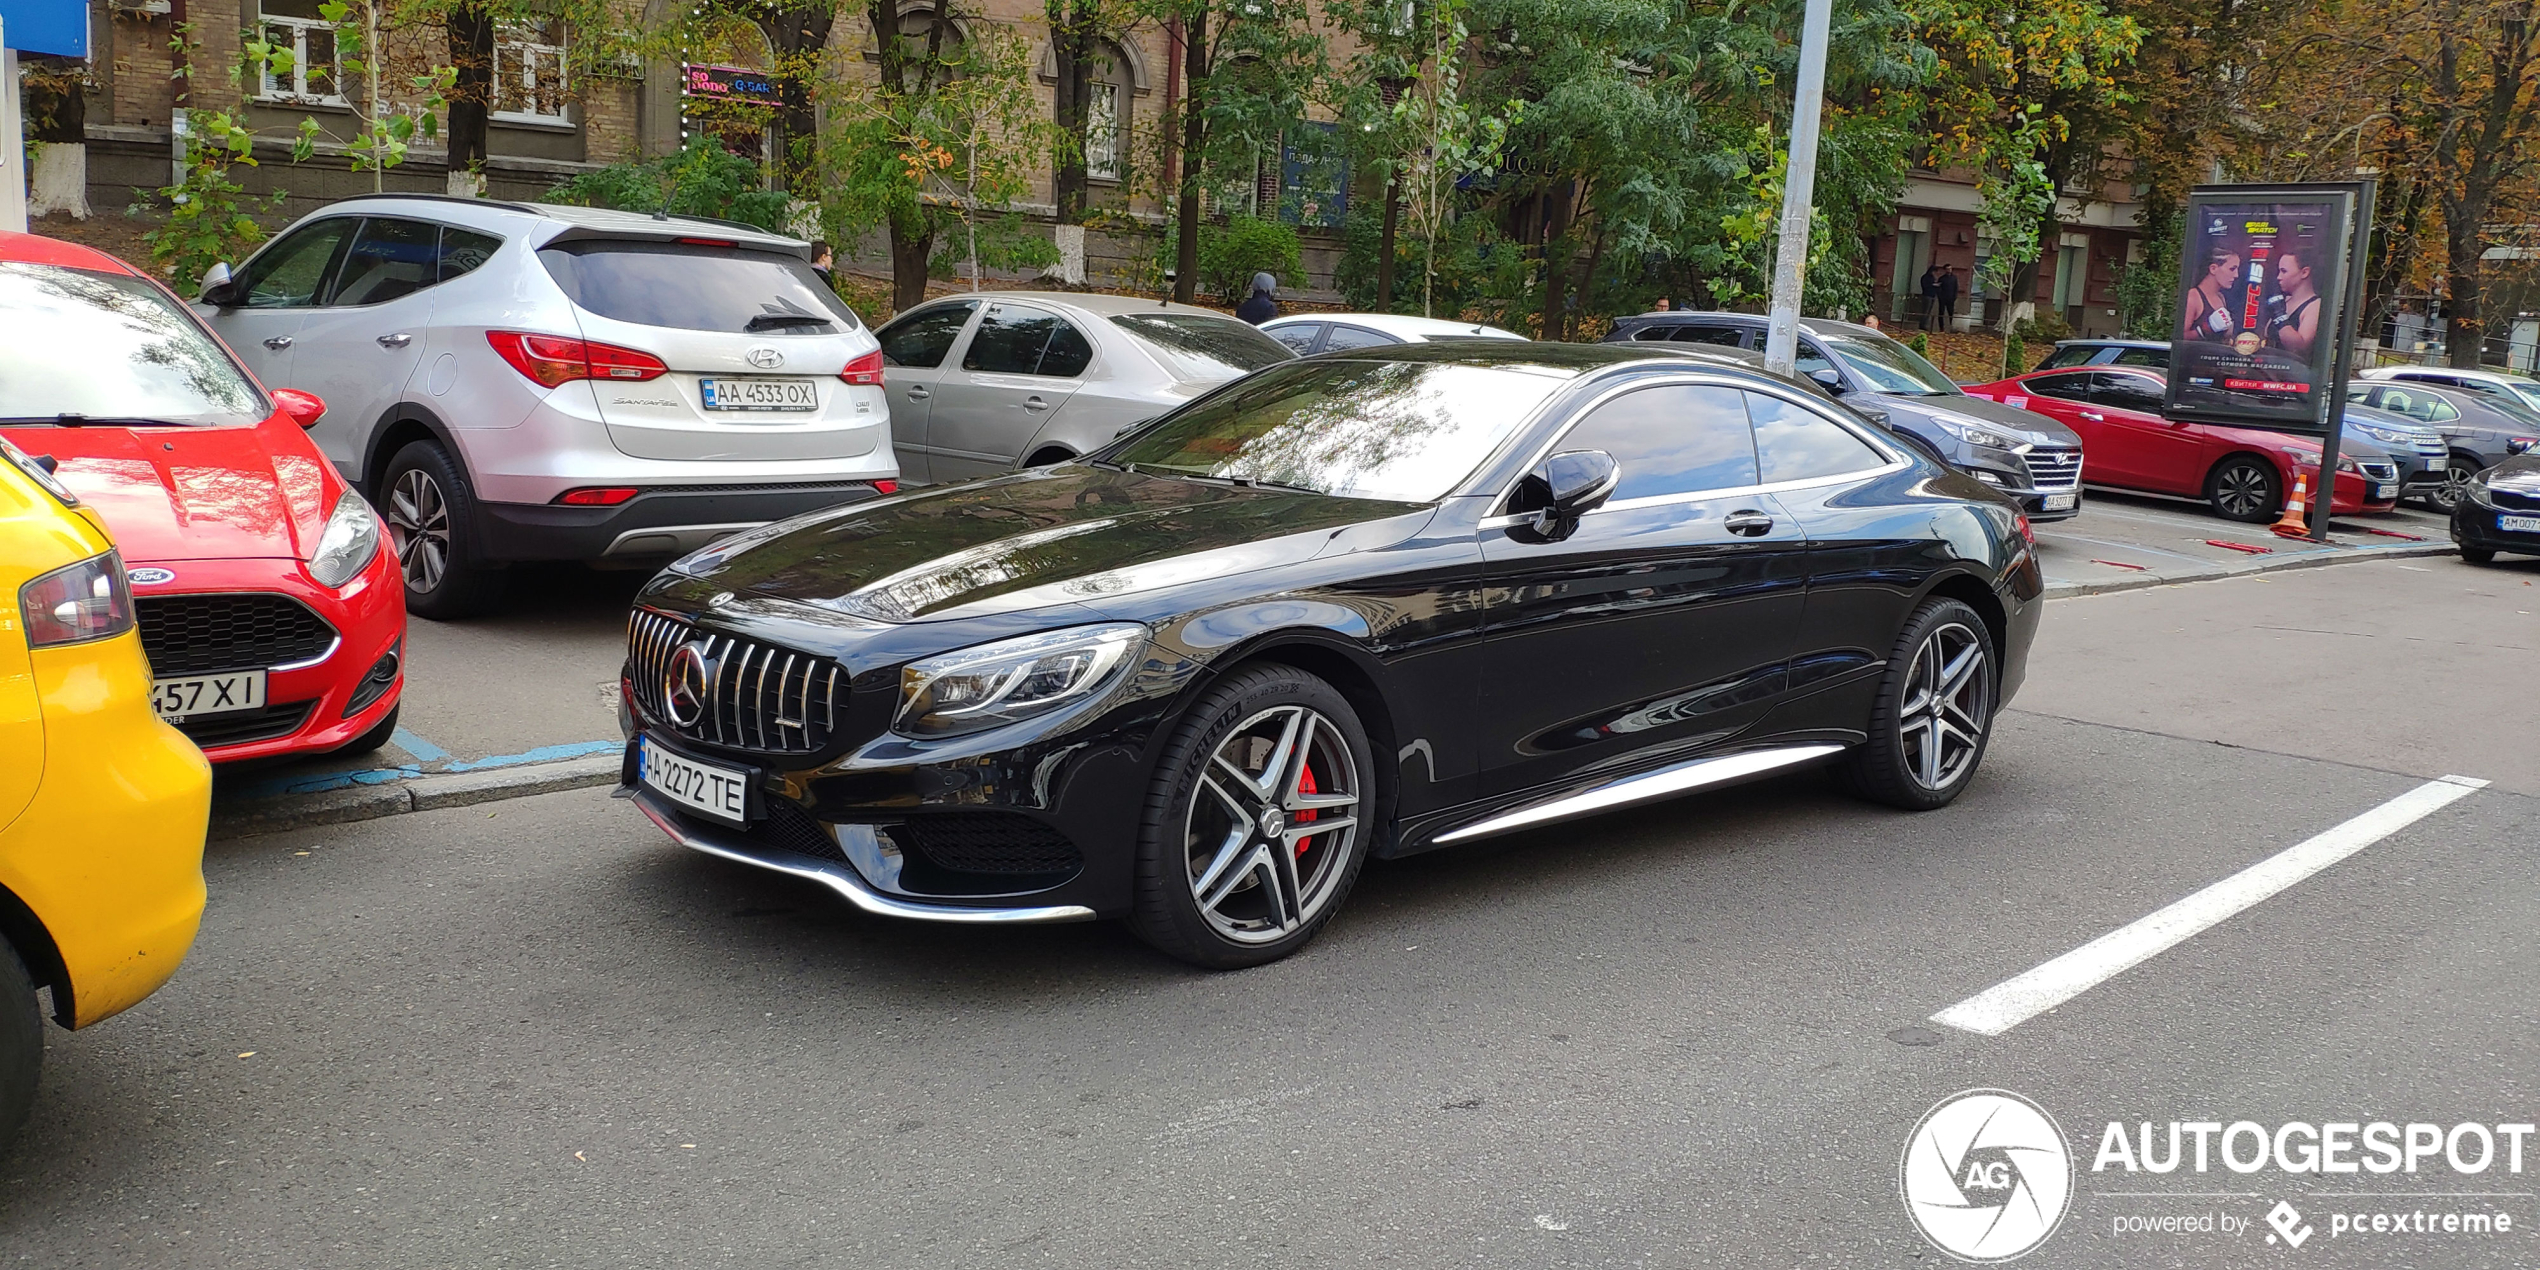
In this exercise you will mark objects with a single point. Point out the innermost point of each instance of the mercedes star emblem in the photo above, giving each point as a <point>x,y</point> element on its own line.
<point>683,688</point>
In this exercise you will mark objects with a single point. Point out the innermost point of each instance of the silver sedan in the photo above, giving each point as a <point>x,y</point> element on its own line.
<point>987,382</point>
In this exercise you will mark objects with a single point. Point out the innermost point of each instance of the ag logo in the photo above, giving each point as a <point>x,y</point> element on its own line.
<point>1986,1175</point>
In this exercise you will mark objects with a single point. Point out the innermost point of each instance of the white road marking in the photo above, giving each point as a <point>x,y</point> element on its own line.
<point>2014,1001</point>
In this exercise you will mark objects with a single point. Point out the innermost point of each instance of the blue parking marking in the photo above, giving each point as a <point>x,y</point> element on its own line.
<point>423,750</point>
<point>543,754</point>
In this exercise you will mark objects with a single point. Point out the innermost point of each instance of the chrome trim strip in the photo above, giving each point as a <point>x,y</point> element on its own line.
<point>1664,782</point>
<point>845,880</point>
<point>1741,491</point>
<point>320,659</point>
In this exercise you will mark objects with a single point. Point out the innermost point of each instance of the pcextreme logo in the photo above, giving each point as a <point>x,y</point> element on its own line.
<point>1986,1176</point>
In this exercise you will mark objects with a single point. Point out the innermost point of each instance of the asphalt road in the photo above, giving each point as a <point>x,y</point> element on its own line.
<point>537,1034</point>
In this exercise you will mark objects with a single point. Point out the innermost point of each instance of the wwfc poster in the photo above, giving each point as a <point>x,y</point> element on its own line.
<point>2258,316</point>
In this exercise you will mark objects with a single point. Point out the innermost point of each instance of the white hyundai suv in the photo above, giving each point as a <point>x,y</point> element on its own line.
<point>516,381</point>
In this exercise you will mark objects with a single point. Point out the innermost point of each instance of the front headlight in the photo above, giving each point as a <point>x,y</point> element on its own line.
<point>2383,435</point>
<point>992,685</point>
<point>349,541</point>
<point>1973,433</point>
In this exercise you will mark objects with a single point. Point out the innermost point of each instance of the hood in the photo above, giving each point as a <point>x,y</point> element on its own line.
<point>2388,422</point>
<point>195,493</point>
<point>1074,534</point>
<point>2028,424</point>
<point>2518,475</point>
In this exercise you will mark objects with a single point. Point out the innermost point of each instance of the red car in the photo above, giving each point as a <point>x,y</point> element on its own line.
<point>274,620</point>
<point>2242,472</point>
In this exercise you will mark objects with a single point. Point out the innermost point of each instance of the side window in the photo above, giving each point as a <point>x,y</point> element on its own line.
<point>2156,358</point>
<point>1657,332</point>
<point>289,274</point>
<point>1724,336</point>
<point>391,259</point>
<point>919,340</point>
<point>1069,352</point>
<point>1353,337</point>
<point>1671,440</point>
<point>1811,359</point>
<point>2129,392</point>
<point>1299,336</point>
<point>2075,387</point>
<point>1010,339</point>
<point>1794,443</point>
<point>2066,356</point>
<point>2437,410</point>
<point>462,250</point>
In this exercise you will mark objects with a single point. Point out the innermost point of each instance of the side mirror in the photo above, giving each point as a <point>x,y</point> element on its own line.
<point>220,289</point>
<point>1829,379</point>
<point>303,407</point>
<point>1565,487</point>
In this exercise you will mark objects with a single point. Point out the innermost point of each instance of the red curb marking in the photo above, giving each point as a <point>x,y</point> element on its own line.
<point>2240,546</point>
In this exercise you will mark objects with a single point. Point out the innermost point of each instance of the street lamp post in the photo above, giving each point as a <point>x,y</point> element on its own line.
<point>1799,190</point>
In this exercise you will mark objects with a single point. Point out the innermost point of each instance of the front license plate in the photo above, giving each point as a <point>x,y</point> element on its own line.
<point>759,394</point>
<point>2062,502</point>
<point>2519,524</point>
<point>2381,491</point>
<point>208,694</point>
<point>718,791</point>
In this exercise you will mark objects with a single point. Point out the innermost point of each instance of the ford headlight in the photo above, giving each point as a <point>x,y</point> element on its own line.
<point>1973,433</point>
<point>349,541</point>
<point>992,685</point>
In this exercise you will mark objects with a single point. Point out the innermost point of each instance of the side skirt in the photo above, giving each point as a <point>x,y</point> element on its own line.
<point>1665,782</point>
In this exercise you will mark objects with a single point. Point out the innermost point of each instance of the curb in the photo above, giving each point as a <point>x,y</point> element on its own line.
<point>2260,564</point>
<point>426,793</point>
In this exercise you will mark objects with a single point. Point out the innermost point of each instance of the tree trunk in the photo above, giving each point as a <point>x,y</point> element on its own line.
<point>1194,137</point>
<point>1385,246</point>
<point>797,34</point>
<point>912,245</point>
<point>1072,45</point>
<point>1556,266</point>
<point>471,32</point>
<point>2463,279</point>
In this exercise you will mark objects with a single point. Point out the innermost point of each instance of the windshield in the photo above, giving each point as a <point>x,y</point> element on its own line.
<point>1890,367</point>
<point>112,348</point>
<point>698,288</point>
<point>1405,432</point>
<point>1194,346</point>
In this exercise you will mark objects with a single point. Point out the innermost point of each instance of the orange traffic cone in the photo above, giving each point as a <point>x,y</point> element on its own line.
<point>2294,523</point>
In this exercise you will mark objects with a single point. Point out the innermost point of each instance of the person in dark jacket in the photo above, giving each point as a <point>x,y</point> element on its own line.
<point>1948,297</point>
<point>1931,296</point>
<point>1260,307</point>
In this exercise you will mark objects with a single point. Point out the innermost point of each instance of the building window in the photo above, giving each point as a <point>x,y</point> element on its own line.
<point>310,79</point>
<point>529,72</point>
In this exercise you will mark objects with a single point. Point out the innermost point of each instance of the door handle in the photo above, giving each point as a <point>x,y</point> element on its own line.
<point>2093,416</point>
<point>917,392</point>
<point>1034,402</point>
<point>398,340</point>
<point>277,342</point>
<point>1752,524</point>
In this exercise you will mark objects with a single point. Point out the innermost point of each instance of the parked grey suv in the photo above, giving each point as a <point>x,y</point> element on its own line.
<point>2026,455</point>
<point>2482,430</point>
<point>513,381</point>
<point>987,382</point>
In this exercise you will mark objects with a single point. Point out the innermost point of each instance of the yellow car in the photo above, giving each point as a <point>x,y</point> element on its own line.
<point>102,806</point>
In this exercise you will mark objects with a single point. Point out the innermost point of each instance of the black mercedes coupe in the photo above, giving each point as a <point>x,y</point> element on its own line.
<point>1365,604</point>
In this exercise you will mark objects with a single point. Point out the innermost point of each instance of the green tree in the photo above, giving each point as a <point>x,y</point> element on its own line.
<point>700,179</point>
<point>1248,67</point>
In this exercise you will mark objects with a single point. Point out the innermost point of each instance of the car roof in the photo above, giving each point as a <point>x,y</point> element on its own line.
<point>596,220</point>
<point>36,249</point>
<point>1813,325</point>
<point>2491,376</point>
<point>1402,324</point>
<point>2111,341</point>
<point>1578,359</point>
<point>1095,303</point>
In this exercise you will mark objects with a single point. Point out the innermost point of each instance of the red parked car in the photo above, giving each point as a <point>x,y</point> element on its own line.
<point>274,621</point>
<point>2243,473</point>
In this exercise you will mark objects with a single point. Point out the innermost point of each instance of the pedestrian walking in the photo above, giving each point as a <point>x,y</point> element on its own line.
<point>1931,296</point>
<point>1947,294</point>
<point>1260,306</point>
<point>1661,306</point>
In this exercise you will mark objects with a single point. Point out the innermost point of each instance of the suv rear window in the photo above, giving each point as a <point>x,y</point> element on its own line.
<point>113,348</point>
<point>697,288</point>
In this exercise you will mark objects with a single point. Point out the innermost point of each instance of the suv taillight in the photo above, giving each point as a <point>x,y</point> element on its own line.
<point>864,370</point>
<point>555,359</point>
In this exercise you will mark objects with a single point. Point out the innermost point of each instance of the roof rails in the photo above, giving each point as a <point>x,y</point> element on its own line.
<point>530,208</point>
<point>541,209</point>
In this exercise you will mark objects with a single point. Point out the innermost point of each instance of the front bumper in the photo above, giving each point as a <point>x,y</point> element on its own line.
<point>655,525</point>
<point>2011,474</point>
<point>2474,525</point>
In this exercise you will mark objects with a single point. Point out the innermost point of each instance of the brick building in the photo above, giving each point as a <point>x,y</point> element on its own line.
<point>2094,237</point>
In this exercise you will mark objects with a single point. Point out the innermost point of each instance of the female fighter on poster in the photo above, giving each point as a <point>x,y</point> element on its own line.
<point>2293,323</point>
<point>2209,304</point>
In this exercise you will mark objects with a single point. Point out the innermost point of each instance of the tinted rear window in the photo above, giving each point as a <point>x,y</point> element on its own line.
<point>110,346</point>
<point>697,288</point>
<point>1194,346</point>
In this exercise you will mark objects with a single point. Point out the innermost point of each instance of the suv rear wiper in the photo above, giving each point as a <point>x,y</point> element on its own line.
<point>770,321</point>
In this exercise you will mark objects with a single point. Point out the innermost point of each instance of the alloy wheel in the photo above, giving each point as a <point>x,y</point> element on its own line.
<point>419,524</point>
<point>2455,487</point>
<point>1948,704</point>
<point>2242,489</point>
<point>1273,820</point>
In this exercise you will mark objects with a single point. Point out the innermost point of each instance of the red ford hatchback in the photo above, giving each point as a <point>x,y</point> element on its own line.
<point>274,622</point>
<point>2242,473</point>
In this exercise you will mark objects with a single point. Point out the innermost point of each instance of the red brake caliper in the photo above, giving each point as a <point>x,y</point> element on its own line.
<point>1305,785</point>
